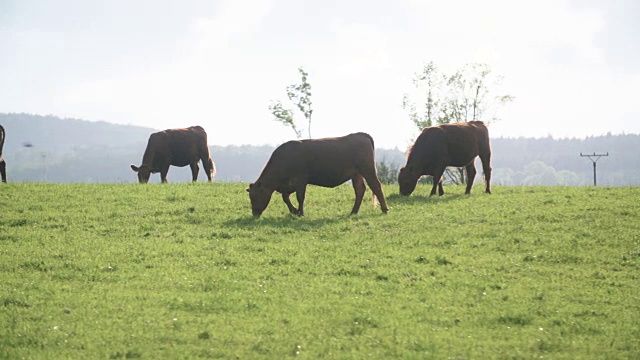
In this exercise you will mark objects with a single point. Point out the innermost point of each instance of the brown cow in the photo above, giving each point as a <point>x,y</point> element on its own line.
<point>326,162</point>
<point>177,147</point>
<point>3,164</point>
<point>447,145</point>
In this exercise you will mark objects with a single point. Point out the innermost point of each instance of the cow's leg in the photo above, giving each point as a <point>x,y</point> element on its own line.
<point>3,170</point>
<point>486,169</point>
<point>437,182</point>
<point>440,189</point>
<point>195,169</point>
<point>358,186</point>
<point>376,188</point>
<point>471,175</point>
<point>287,200</point>
<point>300,194</point>
<point>163,173</point>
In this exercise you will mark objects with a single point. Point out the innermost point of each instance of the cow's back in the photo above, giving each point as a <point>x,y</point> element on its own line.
<point>449,144</point>
<point>345,147</point>
<point>481,134</point>
<point>325,162</point>
<point>185,144</point>
<point>462,143</point>
<point>178,147</point>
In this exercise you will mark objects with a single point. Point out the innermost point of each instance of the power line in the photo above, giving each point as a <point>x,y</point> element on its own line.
<point>594,159</point>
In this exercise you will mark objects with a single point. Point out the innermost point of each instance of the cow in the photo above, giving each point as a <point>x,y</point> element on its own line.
<point>3,164</point>
<point>177,147</point>
<point>447,145</point>
<point>326,162</point>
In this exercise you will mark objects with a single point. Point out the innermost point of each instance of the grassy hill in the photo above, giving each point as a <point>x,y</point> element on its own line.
<point>183,271</point>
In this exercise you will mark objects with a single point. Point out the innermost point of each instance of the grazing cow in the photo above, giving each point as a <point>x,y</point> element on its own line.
<point>3,164</point>
<point>447,145</point>
<point>177,147</point>
<point>325,162</point>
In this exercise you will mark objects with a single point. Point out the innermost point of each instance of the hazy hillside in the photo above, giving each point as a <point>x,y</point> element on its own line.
<point>547,161</point>
<point>70,150</point>
<point>54,133</point>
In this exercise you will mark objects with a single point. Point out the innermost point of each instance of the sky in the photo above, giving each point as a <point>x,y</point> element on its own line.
<point>571,65</point>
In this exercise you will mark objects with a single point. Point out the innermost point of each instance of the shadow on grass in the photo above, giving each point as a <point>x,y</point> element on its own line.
<point>397,199</point>
<point>293,221</point>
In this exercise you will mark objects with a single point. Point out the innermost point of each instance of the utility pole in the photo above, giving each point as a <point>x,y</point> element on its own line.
<point>594,159</point>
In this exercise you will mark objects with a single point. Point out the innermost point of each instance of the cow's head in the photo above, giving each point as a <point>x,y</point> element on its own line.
<point>260,196</point>
<point>143,173</point>
<point>407,179</point>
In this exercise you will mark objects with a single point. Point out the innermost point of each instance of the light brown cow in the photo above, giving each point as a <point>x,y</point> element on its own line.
<point>326,162</point>
<point>447,145</point>
<point>177,147</point>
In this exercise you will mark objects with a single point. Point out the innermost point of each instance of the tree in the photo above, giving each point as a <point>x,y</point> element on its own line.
<point>387,172</point>
<point>300,96</point>
<point>450,98</point>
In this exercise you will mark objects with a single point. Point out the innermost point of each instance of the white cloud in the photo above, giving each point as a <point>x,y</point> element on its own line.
<point>233,19</point>
<point>360,50</point>
<point>228,65</point>
<point>205,82</point>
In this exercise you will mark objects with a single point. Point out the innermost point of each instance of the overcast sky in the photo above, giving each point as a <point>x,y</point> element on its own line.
<point>573,66</point>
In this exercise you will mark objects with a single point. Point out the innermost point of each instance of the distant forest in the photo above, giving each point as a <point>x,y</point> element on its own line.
<point>52,149</point>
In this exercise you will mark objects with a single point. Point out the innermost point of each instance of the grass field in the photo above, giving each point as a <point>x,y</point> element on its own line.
<point>182,271</point>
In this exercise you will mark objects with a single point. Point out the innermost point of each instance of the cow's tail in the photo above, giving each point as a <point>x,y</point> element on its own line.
<point>212,166</point>
<point>1,140</point>
<point>374,199</point>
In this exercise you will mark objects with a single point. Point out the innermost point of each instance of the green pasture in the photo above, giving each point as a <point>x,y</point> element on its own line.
<point>182,271</point>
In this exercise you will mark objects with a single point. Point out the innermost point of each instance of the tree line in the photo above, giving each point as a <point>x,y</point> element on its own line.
<point>72,150</point>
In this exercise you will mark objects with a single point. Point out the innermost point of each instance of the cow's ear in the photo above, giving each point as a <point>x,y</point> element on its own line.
<point>251,185</point>
<point>134,168</point>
